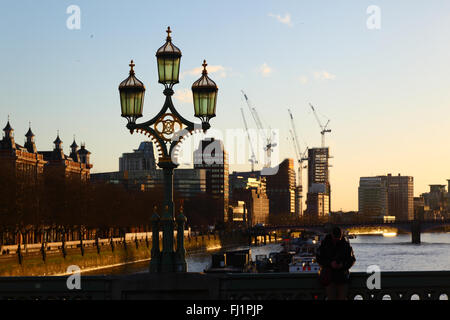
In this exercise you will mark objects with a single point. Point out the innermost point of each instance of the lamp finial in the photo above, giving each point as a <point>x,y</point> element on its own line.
<point>204,67</point>
<point>131,67</point>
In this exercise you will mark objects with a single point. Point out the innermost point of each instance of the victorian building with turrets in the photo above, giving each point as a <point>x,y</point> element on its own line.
<point>28,162</point>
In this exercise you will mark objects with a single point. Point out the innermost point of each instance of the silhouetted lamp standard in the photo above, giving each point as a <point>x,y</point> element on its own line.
<point>167,129</point>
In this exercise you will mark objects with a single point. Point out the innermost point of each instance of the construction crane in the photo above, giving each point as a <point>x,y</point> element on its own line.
<point>252,160</point>
<point>301,157</point>
<point>269,145</point>
<point>322,127</point>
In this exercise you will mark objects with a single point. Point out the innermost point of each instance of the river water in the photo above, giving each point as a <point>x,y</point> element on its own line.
<point>389,253</point>
<point>399,254</point>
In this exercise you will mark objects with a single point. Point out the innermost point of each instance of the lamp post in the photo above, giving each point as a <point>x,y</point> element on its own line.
<point>167,129</point>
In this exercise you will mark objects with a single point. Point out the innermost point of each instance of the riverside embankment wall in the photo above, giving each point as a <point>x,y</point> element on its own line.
<point>54,262</point>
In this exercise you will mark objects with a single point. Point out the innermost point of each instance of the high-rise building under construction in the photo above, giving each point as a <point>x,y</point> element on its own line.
<point>318,200</point>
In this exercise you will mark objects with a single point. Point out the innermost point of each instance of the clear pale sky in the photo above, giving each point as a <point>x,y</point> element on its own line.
<point>386,91</point>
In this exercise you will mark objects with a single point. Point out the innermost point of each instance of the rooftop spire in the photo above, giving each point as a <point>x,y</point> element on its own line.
<point>30,133</point>
<point>57,142</point>
<point>8,130</point>
<point>9,136</point>
<point>8,126</point>
<point>74,152</point>
<point>74,144</point>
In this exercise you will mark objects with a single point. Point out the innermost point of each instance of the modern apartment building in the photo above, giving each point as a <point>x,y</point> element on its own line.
<point>435,203</point>
<point>188,182</point>
<point>250,188</point>
<point>400,196</point>
<point>280,189</point>
<point>140,161</point>
<point>137,169</point>
<point>372,197</point>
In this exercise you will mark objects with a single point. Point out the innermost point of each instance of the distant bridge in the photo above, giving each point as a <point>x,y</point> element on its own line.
<point>415,227</point>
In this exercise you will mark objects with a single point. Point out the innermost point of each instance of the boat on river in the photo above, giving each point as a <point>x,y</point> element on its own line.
<point>237,261</point>
<point>303,264</point>
<point>304,258</point>
<point>298,255</point>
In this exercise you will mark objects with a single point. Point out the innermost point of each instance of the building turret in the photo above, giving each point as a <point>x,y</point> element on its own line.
<point>29,143</point>
<point>84,154</point>
<point>8,141</point>
<point>74,151</point>
<point>58,153</point>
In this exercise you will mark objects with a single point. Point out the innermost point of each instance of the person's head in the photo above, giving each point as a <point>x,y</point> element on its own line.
<point>336,233</point>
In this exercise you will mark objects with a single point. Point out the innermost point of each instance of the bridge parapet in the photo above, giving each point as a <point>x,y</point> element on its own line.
<point>198,286</point>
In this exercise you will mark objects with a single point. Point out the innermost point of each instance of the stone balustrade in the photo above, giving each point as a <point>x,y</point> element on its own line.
<point>433,285</point>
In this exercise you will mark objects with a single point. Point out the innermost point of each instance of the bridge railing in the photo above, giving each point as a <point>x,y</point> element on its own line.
<point>393,286</point>
<point>431,285</point>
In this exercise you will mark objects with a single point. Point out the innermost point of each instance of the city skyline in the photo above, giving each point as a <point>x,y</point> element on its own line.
<point>385,96</point>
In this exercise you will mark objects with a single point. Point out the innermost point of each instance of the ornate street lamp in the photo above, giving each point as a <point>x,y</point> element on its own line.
<point>167,129</point>
<point>205,96</point>
<point>168,57</point>
<point>132,92</point>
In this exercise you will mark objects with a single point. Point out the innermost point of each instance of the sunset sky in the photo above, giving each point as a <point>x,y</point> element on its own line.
<point>385,91</point>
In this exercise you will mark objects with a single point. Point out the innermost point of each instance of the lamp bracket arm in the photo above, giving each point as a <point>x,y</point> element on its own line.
<point>151,122</point>
<point>190,125</point>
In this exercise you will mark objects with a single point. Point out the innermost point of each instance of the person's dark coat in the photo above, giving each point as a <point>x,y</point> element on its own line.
<point>341,252</point>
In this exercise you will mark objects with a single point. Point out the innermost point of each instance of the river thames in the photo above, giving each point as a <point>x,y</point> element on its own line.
<point>389,253</point>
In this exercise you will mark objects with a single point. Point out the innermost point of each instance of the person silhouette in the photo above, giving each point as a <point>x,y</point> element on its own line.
<point>335,257</point>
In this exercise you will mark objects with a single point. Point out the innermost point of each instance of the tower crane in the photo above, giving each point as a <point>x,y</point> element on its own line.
<point>323,127</point>
<point>252,160</point>
<point>297,153</point>
<point>269,145</point>
<point>301,157</point>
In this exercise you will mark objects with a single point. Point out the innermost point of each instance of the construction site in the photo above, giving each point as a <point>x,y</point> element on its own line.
<point>289,193</point>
